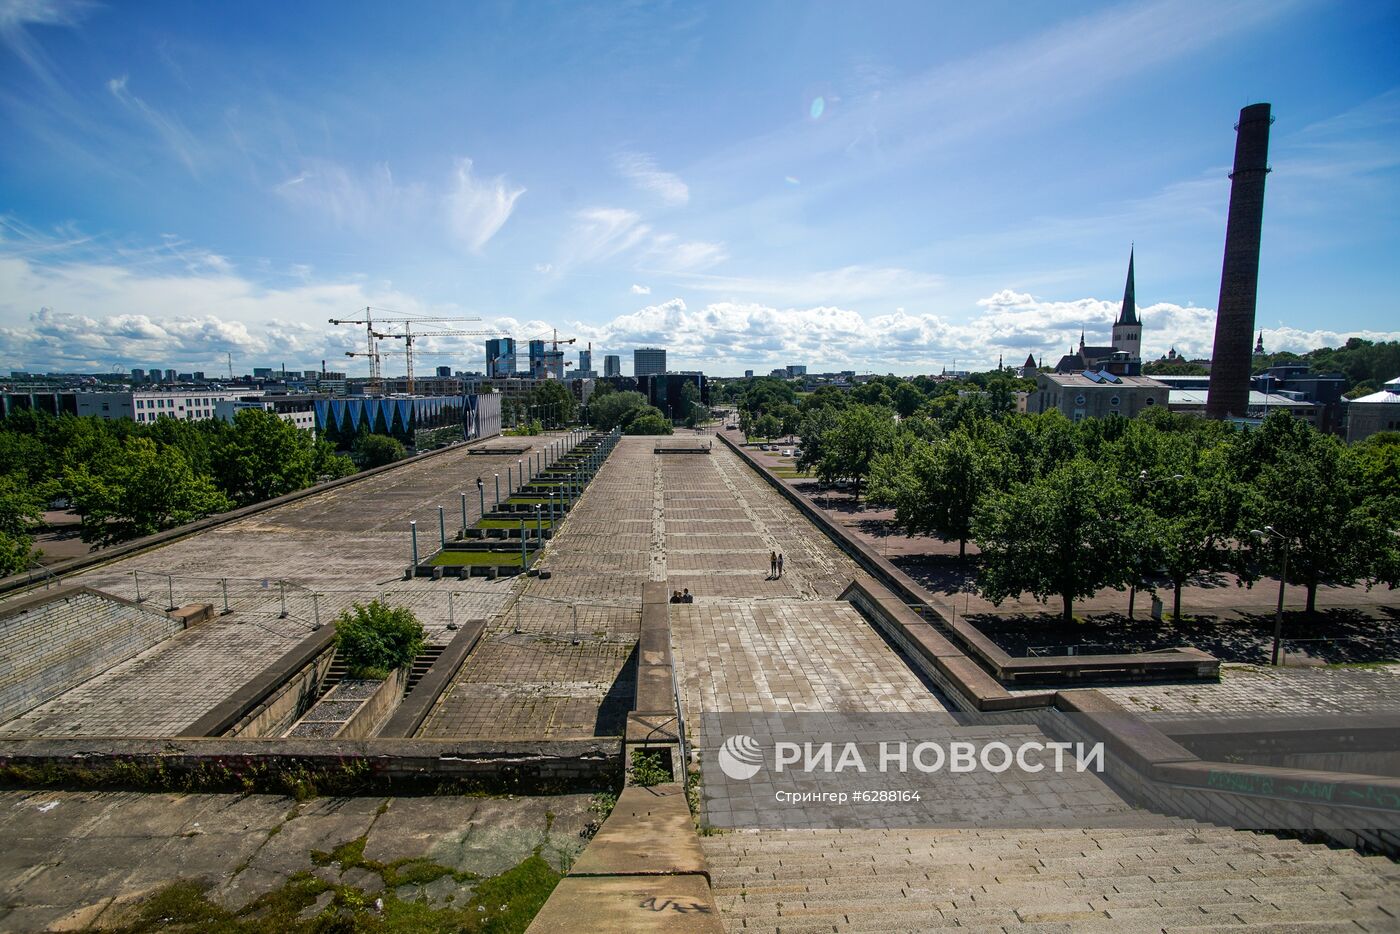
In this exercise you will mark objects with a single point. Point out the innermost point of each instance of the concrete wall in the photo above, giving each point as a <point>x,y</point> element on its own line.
<point>57,641</point>
<point>286,705</point>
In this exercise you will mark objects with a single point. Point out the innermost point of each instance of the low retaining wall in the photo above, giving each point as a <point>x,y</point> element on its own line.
<point>258,696</point>
<point>333,766</point>
<point>1151,769</point>
<point>416,706</point>
<point>654,720</point>
<point>275,715</point>
<point>1168,663</point>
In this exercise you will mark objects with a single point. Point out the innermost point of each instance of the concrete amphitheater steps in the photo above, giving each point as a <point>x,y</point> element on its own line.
<point>1184,877</point>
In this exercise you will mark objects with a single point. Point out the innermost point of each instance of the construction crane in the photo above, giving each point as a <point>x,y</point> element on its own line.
<point>409,337</point>
<point>372,350</point>
<point>384,318</point>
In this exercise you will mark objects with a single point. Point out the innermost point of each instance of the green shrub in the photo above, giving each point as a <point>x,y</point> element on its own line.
<point>647,769</point>
<point>375,639</point>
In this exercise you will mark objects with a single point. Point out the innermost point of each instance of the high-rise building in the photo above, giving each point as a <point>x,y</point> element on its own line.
<point>536,357</point>
<point>444,372</point>
<point>795,369</point>
<point>648,361</point>
<point>138,375</point>
<point>748,374</point>
<point>1231,362</point>
<point>262,372</point>
<point>585,359</point>
<point>170,376</point>
<point>612,365</point>
<point>500,357</point>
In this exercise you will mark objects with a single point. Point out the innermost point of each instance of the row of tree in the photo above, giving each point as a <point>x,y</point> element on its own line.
<point>609,408</point>
<point>127,479</point>
<point>1065,510</point>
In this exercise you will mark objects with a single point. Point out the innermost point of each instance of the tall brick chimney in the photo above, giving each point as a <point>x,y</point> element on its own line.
<point>1231,358</point>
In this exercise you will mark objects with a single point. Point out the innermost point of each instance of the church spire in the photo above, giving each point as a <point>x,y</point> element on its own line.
<point>1129,313</point>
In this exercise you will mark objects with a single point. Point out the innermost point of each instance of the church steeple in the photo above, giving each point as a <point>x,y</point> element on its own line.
<point>1128,315</point>
<point>1127,330</point>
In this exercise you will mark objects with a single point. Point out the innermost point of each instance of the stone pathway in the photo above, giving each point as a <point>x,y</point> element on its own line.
<point>1266,690</point>
<point>1182,878</point>
<point>75,860</point>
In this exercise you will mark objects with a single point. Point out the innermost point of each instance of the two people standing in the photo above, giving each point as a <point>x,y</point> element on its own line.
<point>775,565</point>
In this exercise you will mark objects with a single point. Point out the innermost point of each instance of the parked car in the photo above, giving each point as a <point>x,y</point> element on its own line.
<point>787,452</point>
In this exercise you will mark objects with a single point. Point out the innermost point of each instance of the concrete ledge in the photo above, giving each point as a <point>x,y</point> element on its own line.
<point>256,691</point>
<point>335,765</point>
<point>655,684</point>
<point>649,833</point>
<point>674,904</point>
<point>1169,663</point>
<point>192,614</point>
<point>644,871</point>
<point>23,580</point>
<point>417,705</point>
<point>943,662</point>
<point>1137,742</point>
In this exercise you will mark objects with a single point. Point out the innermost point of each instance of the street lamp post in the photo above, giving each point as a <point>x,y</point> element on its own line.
<point>1282,582</point>
<point>497,504</point>
<point>481,492</point>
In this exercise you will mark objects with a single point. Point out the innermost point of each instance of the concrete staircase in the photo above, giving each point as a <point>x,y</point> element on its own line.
<point>421,663</point>
<point>1182,877</point>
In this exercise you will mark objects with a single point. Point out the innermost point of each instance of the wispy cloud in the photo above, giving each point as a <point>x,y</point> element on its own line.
<point>171,132</point>
<point>16,18</point>
<point>641,170</point>
<point>846,284</point>
<point>478,208</point>
<point>641,289</point>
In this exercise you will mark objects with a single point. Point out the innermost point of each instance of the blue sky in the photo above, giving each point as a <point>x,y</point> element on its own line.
<point>889,188</point>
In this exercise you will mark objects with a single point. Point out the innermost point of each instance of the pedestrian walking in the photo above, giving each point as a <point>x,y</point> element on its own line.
<point>772,565</point>
<point>780,564</point>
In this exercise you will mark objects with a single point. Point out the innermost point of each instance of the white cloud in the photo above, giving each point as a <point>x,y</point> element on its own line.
<point>478,209</point>
<point>602,233</point>
<point>184,308</point>
<point>846,284</point>
<point>470,210</point>
<point>640,169</point>
<point>641,289</point>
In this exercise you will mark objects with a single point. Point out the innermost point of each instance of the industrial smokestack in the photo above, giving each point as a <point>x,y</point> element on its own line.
<point>1231,359</point>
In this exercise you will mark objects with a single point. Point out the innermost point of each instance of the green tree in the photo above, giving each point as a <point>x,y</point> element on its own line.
<point>768,426</point>
<point>859,435</point>
<point>145,490</point>
<point>947,481</point>
<point>690,409</point>
<point>372,450</point>
<point>264,456</point>
<point>20,510</point>
<point>374,639</point>
<point>552,403</point>
<point>330,464</point>
<point>907,399</point>
<point>1315,499</point>
<point>1068,534</point>
<point>648,421</point>
<point>815,426</point>
<point>616,409</point>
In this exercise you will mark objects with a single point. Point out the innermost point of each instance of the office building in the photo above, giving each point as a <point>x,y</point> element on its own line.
<point>612,365</point>
<point>170,376</point>
<point>262,372</point>
<point>444,372</point>
<point>648,361</point>
<point>795,370</point>
<point>666,391</point>
<point>138,375</point>
<point>500,357</point>
<point>585,359</point>
<point>300,410</point>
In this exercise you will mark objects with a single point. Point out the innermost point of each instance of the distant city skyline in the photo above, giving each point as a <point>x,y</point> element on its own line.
<point>744,184</point>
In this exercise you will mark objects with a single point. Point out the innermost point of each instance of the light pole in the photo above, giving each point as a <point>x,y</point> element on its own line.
<point>1282,582</point>
<point>497,504</point>
<point>481,492</point>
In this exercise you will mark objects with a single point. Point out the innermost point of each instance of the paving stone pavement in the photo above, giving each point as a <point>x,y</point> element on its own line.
<point>76,860</point>
<point>1185,877</point>
<point>528,679</point>
<point>310,559</point>
<point>1265,690</point>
